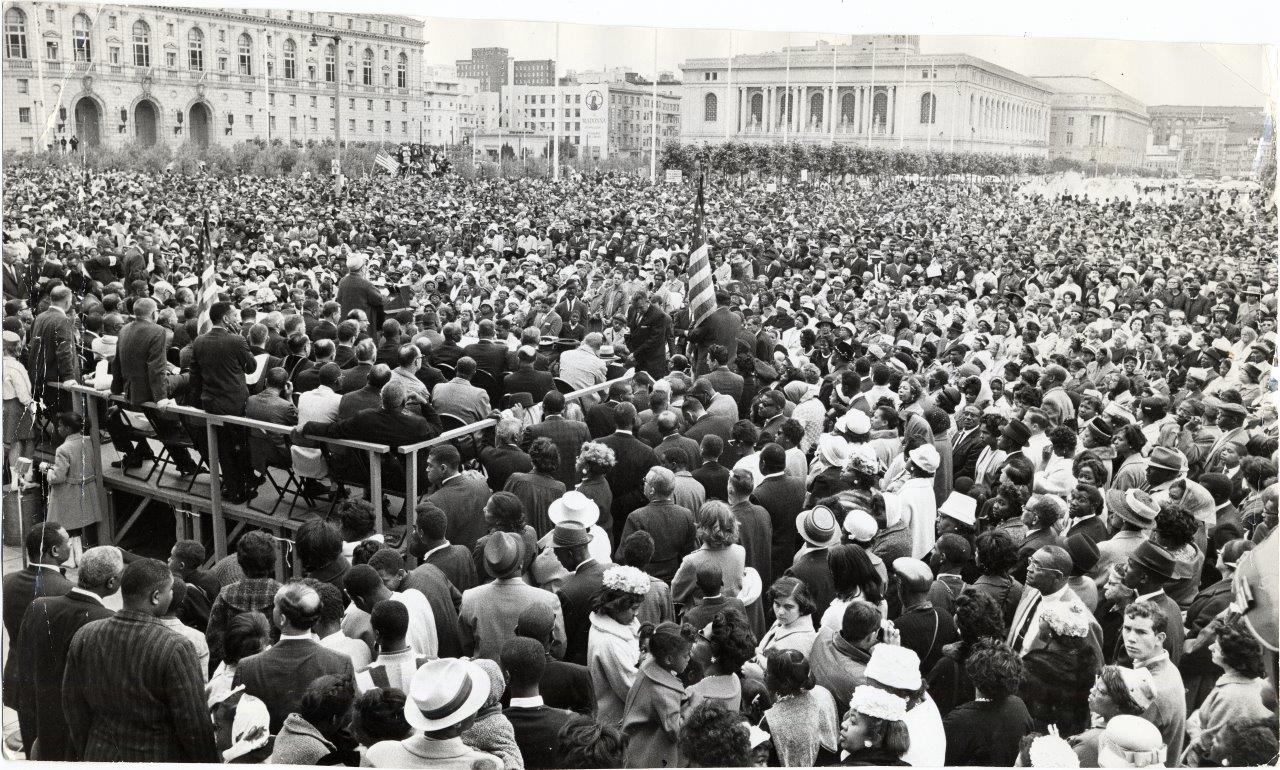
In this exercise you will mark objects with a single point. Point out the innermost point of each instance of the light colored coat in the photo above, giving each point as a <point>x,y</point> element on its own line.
<point>73,493</point>
<point>613,658</point>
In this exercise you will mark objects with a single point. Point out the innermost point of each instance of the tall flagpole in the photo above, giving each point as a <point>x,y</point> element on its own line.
<point>832,107</point>
<point>872,123</point>
<point>902,130</point>
<point>653,116</point>
<point>786,96</point>
<point>955,86</point>
<point>558,112</point>
<point>729,114</point>
<point>933,109</point>
<point>266,83</point>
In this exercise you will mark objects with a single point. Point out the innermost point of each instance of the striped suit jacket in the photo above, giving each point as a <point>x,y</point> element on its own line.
<point>133,692</point>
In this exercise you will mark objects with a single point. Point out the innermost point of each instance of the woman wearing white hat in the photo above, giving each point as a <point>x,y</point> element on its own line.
<point>576,508</point>
<point>442,702</point>
<point>873,731</point>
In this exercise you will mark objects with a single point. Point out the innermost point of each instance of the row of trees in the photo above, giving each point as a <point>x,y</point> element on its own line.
<point>734,159</point>
<point>789,159</point>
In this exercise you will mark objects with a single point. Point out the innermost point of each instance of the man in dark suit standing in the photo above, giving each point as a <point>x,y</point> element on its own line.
<point>47,546</point>
<point>281,675</point>
<point>599,417</point>
<point>133,690</point>
<point>326,327</point>
<point>563,685</point>
<point>506,457</point>
<point>220,360</point>
<point>568,436</point>
<point>633,459</point>
<point>357,292</point>
<point>51,347</point>
<point>649,328</point>
<point>719,328</point>
<point>713,476</point>
<point>1039,516</point>
<point>526,378</point>
<point>967,444</point>
<point>721,377</point>
<point>41,650</point>
<point>490,356</point>
<point>783,497</point>
<point>577,594</point>
<point>462,498</point>
<point>140,374</point>
<point>537,725</point>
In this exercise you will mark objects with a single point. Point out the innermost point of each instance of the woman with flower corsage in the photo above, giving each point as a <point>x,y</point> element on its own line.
<point>1060,675</point>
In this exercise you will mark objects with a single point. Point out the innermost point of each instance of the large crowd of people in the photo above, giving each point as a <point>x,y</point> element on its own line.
<point>956,473</point>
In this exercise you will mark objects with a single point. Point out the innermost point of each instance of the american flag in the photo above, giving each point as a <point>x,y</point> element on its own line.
<point>702,288</point>
<point>208,291</point>
<point>387,162</point>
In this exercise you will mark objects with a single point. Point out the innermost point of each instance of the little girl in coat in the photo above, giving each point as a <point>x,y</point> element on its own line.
<point>656,704</point>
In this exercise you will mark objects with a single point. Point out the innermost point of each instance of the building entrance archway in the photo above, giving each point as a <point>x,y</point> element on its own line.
<point>144,121</point>
<point>88,122</point>
<point>201,117</point>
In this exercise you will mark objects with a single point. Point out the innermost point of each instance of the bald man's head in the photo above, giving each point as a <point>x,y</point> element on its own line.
<point>297,607</point>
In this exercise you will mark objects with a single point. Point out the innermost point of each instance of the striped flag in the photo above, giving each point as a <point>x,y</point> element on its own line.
<point>702,288</point>
<point>208,290</point>
<point>387,162</point>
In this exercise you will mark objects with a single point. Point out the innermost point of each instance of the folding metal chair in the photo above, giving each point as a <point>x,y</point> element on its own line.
<point>173,433</point>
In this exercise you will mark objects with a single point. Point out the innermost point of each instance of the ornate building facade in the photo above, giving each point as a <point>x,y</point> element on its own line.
<point>1093,122</point>
<point>114,74</point>
<point>874,91</point>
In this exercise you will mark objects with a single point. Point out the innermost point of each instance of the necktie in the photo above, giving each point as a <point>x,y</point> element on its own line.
<point>1025,625</point>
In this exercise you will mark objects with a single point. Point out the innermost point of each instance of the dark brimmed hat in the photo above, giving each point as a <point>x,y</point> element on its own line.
<point>1017,432</point>
<point>1154,559</point>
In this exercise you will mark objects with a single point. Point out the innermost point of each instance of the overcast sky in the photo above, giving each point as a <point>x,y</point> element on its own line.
<point>1154,73</point>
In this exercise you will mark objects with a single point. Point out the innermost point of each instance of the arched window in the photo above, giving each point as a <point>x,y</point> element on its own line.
<point>928,108</point>
<point>195,49</point>
<point>330,63</point>
<point>815,108</point>
<point>366,67</point>
<point>141,44</point>
<point>244,57</point>
<point>757,108</point>
<point>81,47</point>
<point>402,70</point>
<point>879,112</point>
<point>847,109</point>
<point>709,104</point>
<point>290,59</point>
<point>15,34</point>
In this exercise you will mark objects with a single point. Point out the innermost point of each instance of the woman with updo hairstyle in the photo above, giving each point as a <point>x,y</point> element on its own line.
<point>613,641</point>
<point>595,460</point>
<point>1176,532</point>
<point>792,628</point>
<point>715,736</point>
<point>717,537</point>
<point>1003,511</point>
<point>653,713</point>
<point>1237,695</point>
<point>538,489</point>
<point>732,644</point>
<point>585,744</point>
<point>977,617</point>
<point>248,633</point>
<point>378,715</point>
<point>803,719</point>
<point>874,731</point>
<point>997,555</point>
<point>1129,468</point>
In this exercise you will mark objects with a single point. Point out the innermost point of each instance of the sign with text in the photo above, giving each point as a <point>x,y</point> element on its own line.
<point>675,176</point>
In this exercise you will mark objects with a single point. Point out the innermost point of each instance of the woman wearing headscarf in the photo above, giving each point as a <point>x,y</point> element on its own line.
<point>807,410</point>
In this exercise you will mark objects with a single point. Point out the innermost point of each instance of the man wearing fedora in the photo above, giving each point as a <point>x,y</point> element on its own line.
<point>1148,570</point>
<point>1131,516</point>
<point>571,545</point>
<point>1167,482</point>
<point>820,530</point>
<point>488,615</point>
<point>442,701</point>
<point>1231,417</point>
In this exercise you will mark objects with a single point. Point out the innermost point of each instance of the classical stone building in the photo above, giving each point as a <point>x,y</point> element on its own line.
<point>1093,122</point>
<point>112,74</point>
<point>875,91</point>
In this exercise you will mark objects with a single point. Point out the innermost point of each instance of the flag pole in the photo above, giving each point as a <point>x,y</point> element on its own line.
<point>653,116</point>
<point>557,111</point>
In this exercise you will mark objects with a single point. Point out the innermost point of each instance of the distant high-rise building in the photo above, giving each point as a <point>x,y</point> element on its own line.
<point>1207,140</point>
<point>487,65</point>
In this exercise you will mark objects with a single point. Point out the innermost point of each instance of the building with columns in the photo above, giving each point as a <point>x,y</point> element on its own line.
<point>876,91</point>
<point>1093,122</point>
<point>114,74</point>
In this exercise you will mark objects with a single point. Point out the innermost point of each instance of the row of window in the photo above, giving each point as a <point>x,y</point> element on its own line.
<point>15,47</point>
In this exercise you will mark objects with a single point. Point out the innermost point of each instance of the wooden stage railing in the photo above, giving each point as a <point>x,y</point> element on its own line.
<point>219,511</point>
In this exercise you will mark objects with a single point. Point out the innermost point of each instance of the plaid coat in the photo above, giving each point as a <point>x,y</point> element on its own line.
<point>133,692</point>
